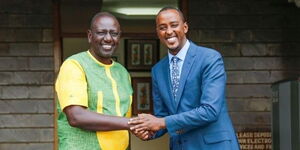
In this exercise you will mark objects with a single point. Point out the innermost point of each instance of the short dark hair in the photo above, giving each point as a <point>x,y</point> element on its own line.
<point>101,14</point>
<point>172,8</point>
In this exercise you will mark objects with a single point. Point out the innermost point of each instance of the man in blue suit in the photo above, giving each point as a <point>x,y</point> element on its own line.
<point>188,92</point>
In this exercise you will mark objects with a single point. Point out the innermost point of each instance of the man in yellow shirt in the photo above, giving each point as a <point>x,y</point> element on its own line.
<point>94,93</point>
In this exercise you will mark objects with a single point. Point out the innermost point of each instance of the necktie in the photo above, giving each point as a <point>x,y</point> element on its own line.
<point>175,75</point>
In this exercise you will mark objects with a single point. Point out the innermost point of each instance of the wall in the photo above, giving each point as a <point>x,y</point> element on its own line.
<point>260,43</point>
<point>82,9</point>
<point>26,75</point>
<point>161,143</point>
<point>259,40</point>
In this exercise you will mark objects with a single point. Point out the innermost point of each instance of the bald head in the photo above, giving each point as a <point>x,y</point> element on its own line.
<point>103,14</point>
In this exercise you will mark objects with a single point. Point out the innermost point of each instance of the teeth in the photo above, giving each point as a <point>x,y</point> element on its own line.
<point>106,46</point>
<point>171,40</point>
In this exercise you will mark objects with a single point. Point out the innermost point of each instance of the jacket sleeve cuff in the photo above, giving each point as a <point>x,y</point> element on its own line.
<point>172,127</point>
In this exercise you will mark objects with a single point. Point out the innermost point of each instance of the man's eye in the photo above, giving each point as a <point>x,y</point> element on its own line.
<point>174,25</point>
<point>114,34</point>
<point>162,28</point>
<point>101,33</point>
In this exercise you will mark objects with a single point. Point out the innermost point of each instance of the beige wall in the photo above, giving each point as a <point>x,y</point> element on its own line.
<point>161,143</point>
<point>74,45</point>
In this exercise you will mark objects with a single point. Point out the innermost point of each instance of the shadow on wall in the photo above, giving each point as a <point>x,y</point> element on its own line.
<point>290,47</point>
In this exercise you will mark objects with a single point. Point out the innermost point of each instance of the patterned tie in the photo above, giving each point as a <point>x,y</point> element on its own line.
<point>175,75</point>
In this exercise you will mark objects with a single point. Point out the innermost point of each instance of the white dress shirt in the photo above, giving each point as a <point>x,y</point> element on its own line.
<point>181,55</point>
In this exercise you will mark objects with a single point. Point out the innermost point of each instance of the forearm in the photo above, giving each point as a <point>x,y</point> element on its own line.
<point>99,122</point>
<point>82,118</point>
<point>192,119</point>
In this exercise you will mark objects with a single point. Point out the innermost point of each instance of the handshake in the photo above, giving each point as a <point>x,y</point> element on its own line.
<point>145,125</point>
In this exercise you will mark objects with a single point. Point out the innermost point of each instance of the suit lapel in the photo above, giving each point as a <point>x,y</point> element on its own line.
<point>167,79</point>
<point>187,64</point>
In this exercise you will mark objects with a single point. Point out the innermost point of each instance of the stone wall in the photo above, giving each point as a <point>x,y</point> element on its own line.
<point>259,39</point>
<point>260,43</point>
<point>26,75</point>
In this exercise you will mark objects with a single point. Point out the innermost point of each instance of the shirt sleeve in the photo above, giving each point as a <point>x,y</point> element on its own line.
<point>71,85</point>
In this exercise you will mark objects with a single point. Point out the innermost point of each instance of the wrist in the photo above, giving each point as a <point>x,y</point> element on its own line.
<point>162,123</point>
<point>126,124</point>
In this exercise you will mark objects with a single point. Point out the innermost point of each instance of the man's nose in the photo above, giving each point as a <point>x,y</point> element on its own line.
<point>169,31</point>
<point>107,37</point>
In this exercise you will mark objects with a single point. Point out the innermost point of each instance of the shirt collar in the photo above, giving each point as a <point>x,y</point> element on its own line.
<point>98,62</point>
<point>182,53</point>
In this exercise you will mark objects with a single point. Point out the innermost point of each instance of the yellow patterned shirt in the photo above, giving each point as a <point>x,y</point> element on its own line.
<point>101,88</point>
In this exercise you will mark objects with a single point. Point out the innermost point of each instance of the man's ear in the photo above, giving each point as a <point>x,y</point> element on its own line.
<point>185,27</point>
<point>89,35</point>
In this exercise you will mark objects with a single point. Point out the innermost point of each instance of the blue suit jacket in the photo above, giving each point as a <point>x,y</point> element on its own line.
<point>197,119</point>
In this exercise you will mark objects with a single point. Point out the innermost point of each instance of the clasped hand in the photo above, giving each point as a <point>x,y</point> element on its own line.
<point>145,125</point>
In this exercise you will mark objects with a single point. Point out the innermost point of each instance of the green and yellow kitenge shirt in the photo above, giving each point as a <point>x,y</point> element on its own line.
<point>105,89</point>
